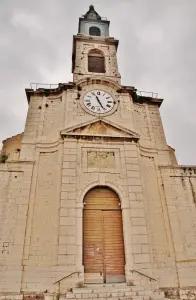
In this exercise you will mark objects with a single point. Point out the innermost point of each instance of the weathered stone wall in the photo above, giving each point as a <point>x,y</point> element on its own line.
<point>31,130</point>
<point>160,240</point>
<point>52,117</point>
<point>15,182</point>
<point>157,128</point>
<point>180,191</point>
<point>42,231</point>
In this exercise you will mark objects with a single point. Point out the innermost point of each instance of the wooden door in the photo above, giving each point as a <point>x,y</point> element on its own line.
<point>103,244</point>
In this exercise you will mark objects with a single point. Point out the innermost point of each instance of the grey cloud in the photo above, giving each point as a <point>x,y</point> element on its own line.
<point>156,53</point>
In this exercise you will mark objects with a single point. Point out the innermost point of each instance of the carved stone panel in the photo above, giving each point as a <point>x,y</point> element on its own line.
<point>101,159</point>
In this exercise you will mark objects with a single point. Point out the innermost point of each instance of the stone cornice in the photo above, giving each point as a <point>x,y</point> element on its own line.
<point>14,166</point>
<point>176,167</point>
<point>132,91</point>
<point>49,92</point>
<point>178,170</point>
<point>93,39</point>
<point>139,98</point>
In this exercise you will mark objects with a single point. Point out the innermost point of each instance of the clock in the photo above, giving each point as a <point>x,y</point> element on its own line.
<point>98,101</point>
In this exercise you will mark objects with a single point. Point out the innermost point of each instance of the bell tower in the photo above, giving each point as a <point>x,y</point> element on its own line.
<point>94,51</point>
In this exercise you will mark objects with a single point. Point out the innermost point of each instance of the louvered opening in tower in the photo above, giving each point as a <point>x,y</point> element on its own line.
<point>93,30</point>
<point>96,62</point>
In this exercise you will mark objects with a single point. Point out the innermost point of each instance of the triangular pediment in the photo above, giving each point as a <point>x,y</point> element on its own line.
<point>100,128</point>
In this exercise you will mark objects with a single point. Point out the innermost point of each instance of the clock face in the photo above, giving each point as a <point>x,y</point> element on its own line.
<point>99,102</point>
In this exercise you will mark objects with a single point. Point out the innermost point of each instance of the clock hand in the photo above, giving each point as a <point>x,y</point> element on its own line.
<point>99,102</point>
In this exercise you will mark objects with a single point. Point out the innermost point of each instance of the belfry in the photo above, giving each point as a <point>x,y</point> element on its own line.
<point>93,203</point>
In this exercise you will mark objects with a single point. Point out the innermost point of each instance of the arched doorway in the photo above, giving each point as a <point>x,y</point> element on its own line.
<point>103,243</point>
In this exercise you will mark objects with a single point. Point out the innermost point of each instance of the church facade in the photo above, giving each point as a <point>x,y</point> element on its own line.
<point>91,193</point>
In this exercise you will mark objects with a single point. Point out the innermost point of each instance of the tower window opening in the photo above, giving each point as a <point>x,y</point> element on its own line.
<point>93,30</point>
<point>96,62</point>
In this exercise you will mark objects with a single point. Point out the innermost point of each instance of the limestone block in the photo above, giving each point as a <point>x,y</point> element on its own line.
<point>137,248</point>
<point>145,249</point>
<point>138,221</point>
<point>136,204</point>
<point>66,230</point>
<point>67,221</point>
<point>66,179</point>
<point>139,230</point>
<point>131,154</point>
<point>140,239</point>
<point>134,181</point>
<point>67,203</point>
<point>132,196</point>
<point>62,250</point>
<point>69,158</point>
<point>136,188</point>
<point>133,174</point>
<point>64,212</point>
<point>132,167</point>
<point>68,187</point>
<point>66,260</point>
<point>137,213</point>
<point>64,240</point>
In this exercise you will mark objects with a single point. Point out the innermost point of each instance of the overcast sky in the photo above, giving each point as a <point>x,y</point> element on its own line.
<point>157,52</point>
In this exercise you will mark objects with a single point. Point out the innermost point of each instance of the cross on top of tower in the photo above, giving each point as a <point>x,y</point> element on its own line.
<point>92,14</point>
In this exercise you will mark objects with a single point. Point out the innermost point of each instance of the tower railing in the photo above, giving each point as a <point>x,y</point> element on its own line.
<point>36,86</point>
<point>147,94</point>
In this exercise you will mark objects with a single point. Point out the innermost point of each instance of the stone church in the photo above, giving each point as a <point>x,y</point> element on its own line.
<point>93,203</point>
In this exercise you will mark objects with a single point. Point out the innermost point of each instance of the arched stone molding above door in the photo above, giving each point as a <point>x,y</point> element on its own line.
<point>124,199</point>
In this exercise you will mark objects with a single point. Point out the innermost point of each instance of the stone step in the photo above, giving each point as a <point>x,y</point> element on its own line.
<point>120,291</point>
<point>86,293</point>
<point>111,297</point>
<point>115,287</point>
<point>88,289</point>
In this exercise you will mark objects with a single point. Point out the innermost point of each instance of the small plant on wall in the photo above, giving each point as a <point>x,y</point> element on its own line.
<point>3,158</point>
<point>80,284</point>
<point>130,283</point>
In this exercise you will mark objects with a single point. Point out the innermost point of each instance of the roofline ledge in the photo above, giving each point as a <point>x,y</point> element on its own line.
<point>49,91</point>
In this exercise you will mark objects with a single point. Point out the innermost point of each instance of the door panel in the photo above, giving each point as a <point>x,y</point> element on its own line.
<point>93,246</point>
<point>113,246</point>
